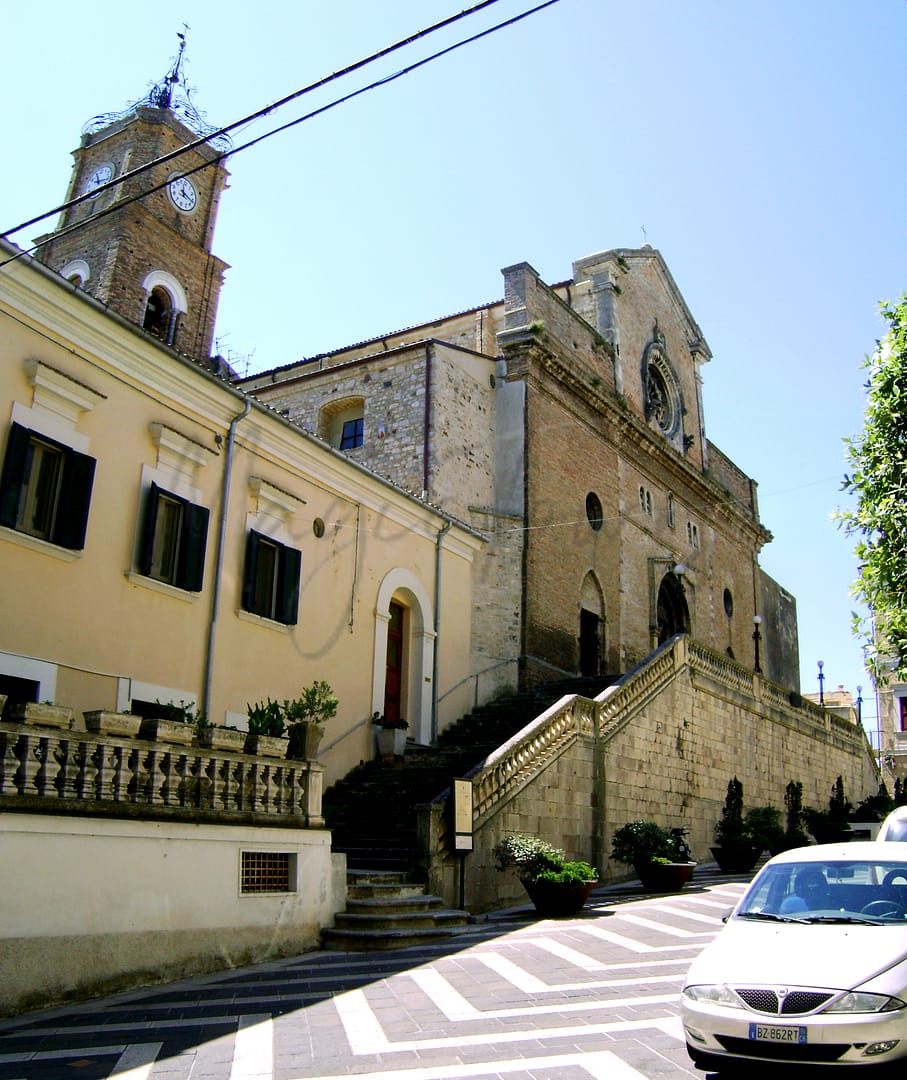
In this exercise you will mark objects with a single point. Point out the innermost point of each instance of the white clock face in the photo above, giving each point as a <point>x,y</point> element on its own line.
<point>182,193</point>
<point>101,174</point>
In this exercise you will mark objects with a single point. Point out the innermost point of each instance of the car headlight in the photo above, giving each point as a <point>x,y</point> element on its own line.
<point>712,994</point>
<point>859,1002</point>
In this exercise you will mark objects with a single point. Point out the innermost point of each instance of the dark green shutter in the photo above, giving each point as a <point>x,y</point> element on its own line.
<point>250,571</point>
<point>288,585</point>
<point>13,476</point>
<point>146,545</point>
<point>71,521</point>
<point>191,570</point>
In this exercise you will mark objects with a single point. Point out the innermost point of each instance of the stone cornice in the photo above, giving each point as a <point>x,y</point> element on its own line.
<point>641,447</point>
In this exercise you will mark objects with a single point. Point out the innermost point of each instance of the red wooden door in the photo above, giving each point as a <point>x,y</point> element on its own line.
<point>393,679</point>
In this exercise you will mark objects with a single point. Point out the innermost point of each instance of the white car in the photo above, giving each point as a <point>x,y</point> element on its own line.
<point>810,967</point>
<point>894,827</point>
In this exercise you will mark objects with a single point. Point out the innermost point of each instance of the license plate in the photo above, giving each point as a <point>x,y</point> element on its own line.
<point>772,1033</point>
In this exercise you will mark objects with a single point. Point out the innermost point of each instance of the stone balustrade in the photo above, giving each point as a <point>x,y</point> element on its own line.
<point>66,771</point>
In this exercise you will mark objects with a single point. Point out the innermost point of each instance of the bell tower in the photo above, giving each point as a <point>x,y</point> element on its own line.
<point>140,242</point>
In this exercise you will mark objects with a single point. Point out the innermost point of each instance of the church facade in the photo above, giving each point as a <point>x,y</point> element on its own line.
<point>566,423</point>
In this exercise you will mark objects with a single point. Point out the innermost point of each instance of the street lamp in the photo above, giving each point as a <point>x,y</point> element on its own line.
<point>821,683</point>
<point>757,637</point>
<point>860,705</point>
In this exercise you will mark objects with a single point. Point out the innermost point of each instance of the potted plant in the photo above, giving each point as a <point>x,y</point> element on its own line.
<point>102,722</point>
<point>391,736</point>
<point>653,853</point>
<point>736,849</point>
<point>43,714</point>
<point>794,833</point>
<point>266,728</point>
<point>219,736</point>
<point>306,717</point>
<point>173,724</point>
<point>556,885</point>
<point>764,824</point>
<point>832,825</point>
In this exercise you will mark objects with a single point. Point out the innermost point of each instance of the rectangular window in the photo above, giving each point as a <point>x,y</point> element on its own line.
<point>271,579</point>
<point>352,434</point>
<point>174,536</point>
<point>268,872</point>
<point>45,488</point>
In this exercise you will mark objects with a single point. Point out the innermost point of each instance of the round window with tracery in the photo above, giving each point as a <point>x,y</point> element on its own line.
<point>662,398</point>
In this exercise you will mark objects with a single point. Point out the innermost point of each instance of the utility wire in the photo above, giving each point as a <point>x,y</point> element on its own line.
<point>270,108</point>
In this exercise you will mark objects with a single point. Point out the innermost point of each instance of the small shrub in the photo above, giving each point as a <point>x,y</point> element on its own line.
<point>642,842</point>
<point>534,859</point>
<point>266,719</point>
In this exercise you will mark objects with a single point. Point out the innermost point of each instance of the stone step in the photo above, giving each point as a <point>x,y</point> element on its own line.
<point>338,940</point>
<point>412,903</point>
<point>383,892</point>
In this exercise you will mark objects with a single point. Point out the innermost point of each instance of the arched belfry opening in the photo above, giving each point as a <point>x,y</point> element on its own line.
<point>158,319</point>
<point>672,613</point>
<point>591,627</point>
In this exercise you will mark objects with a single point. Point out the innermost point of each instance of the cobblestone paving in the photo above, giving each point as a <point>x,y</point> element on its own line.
<point>594,997</point>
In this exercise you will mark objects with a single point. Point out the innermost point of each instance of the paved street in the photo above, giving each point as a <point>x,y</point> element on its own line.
<point>517,997</point>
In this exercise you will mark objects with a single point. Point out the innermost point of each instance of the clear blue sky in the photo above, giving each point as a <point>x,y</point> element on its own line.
<point>759,146</point>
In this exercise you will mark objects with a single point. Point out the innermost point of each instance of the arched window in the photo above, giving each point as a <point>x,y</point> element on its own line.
<point>342,423</point>
<point>158,312</point>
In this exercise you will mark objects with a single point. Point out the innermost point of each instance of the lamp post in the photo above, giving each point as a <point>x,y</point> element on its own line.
<point>860,706</point>
<point>821,683</point>
<point>757,638</point>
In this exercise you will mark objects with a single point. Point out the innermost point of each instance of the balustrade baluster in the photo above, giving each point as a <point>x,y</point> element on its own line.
<point>33,771</point>
<point>84,785</point>
<point>65,767</point>
<point>9,762</point>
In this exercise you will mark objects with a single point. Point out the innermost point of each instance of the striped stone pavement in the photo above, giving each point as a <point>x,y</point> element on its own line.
<point>518,997</point>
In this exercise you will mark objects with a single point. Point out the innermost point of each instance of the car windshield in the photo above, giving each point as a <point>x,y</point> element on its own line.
<point>872,891</point>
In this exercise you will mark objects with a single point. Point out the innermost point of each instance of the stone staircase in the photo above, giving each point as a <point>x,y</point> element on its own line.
<point>371,813</point>
<point>385,910</point>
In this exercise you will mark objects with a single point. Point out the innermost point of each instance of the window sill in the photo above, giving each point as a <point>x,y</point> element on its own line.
<point>260,620</point>
<point>162,587</point>
<point>35,543</point>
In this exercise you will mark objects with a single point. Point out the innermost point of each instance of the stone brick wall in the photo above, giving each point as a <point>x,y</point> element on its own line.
<point>668,741</point>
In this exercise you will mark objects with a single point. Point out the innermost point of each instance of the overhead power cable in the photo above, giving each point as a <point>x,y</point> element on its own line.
<point>358,65</point>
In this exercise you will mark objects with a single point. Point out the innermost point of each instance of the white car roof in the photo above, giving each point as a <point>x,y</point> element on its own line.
<point>889,850</point>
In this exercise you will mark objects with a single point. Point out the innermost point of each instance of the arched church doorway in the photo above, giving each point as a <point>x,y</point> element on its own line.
<point>591,627</point>
<point>672,611</point>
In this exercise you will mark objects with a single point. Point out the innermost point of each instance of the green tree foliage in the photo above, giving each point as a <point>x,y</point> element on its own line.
<point>878,458</point>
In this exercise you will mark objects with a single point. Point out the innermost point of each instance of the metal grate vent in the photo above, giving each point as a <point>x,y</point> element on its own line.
<point>267,872</point>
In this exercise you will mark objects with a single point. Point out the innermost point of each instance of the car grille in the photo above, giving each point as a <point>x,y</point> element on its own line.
<point>812,1052</point>
<point>795,1003</point>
